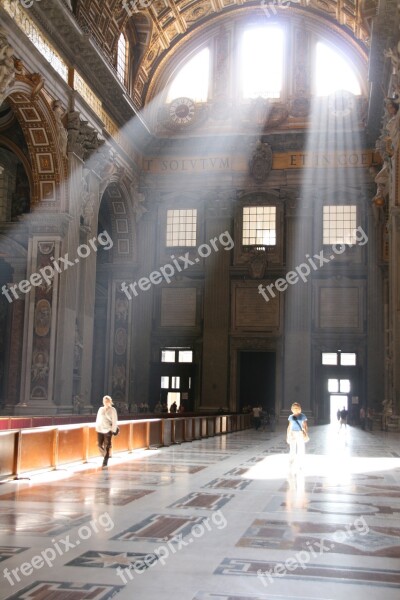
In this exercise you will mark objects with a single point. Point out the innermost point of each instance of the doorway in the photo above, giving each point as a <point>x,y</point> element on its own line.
<point>337,402</point>
<point>338,380</point>
<point>257,380</point>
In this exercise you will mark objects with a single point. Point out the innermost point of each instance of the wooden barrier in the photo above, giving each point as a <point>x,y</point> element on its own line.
<point>46,448</point>
<point>178,435</point>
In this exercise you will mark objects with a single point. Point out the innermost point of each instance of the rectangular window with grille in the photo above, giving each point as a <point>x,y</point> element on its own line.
<point>339,224</point>
<point>181,227</point>
<point>259,226</point>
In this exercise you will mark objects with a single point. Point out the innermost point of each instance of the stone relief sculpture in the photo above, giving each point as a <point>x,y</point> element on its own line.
<point>40,365</point>
<point>118,377</point>
<point>59,113</point>
<point>386,145</point>
<point>87,203</point>
<point>387,411</point>
<point>78,347</point>
<point>121,309</point>
<point>7,68</point>
<point>258,263</point>
<point>42,318</point>
<point>138,200</point>
<point>260,164</point>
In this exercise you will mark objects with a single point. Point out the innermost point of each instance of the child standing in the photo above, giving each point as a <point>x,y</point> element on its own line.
<point>296,432</point>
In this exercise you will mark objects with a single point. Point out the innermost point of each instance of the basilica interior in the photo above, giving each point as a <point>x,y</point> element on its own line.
<point>198,205</point>
<point>199,214</point>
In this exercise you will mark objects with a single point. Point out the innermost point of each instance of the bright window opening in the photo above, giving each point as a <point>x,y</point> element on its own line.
<point>122,58</point>
<point>175,383</point>
<point>164,383</point>
<point>185,356</point>
<point>192,79</point>
<point>168,356</point>
<point>344,386</point>
<point>339,385</point>
<point>329,358</point>
<point>261,64</point>
<point>259,226</point>
<point>334,73</point>
<point>333,385</point>
<point>181,227</point>
<point>348,359</point>
<point>339,224</point>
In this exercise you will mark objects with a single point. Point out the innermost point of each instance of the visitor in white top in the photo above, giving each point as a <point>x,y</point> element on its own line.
<point>106,425</point>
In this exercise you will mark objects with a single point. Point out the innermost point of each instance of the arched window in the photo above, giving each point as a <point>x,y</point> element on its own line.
<point>333,72</point>
<point>261,62</point>
<point>122,58</point>
<point>192,79</point>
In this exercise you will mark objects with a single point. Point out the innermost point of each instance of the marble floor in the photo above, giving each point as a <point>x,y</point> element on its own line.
<point>224,518</point>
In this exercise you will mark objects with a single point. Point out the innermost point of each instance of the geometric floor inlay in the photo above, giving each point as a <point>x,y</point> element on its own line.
<point>238,471</point>
<point>9,551</point>
<point>312,571</point>
<point>202,500</point>
<point>333,507</point>
<point>213,596</point>
<point>64,493</point>
<point>42,521</point>
<point>159,528</point>
<point>157,468</point>
<point>105,558</point>
<point>234,484</point>
<point>357,539</point>
<point>54,590</point>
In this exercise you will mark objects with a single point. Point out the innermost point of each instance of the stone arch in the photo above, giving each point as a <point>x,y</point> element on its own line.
<point>45,137</point>
<point>9,248</point>
<point>12,269</point>
<point>113,312</point>
<point>117,203</point>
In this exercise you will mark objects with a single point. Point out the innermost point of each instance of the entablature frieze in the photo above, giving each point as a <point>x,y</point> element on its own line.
<point>38,223</point>
<point>225,163</point>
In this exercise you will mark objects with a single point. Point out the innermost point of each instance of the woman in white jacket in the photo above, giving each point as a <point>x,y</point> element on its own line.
<point>106,425</point>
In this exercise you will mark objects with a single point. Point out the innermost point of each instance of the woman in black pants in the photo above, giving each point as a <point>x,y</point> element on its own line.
<point>106,425</point>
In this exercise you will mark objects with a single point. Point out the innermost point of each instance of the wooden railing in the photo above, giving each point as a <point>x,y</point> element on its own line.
<point>46,448</point>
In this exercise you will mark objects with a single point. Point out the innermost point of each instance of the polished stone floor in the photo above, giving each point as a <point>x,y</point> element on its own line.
<point>224,518</point>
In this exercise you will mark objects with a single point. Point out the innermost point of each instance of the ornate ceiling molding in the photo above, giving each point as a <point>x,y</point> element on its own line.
<point>170,21</point>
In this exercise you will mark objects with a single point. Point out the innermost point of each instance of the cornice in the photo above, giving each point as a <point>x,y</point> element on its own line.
<point>82,53</point>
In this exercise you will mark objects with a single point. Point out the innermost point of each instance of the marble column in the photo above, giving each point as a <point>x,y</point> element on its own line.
<point>215,371</point>
<point>297,329</point>
<point>69,292</point>
<point>142,306</point>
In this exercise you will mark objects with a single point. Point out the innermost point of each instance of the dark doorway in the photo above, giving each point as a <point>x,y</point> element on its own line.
<point>257,380</point>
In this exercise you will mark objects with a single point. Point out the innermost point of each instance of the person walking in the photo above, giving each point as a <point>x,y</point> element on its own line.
<point>297,434</point>
<point>343,418</point>
<point>257,411</point>
<point>106,425</point>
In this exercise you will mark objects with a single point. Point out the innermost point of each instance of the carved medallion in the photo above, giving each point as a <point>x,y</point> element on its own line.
<point>258,263</point>
<point>260,163</point>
